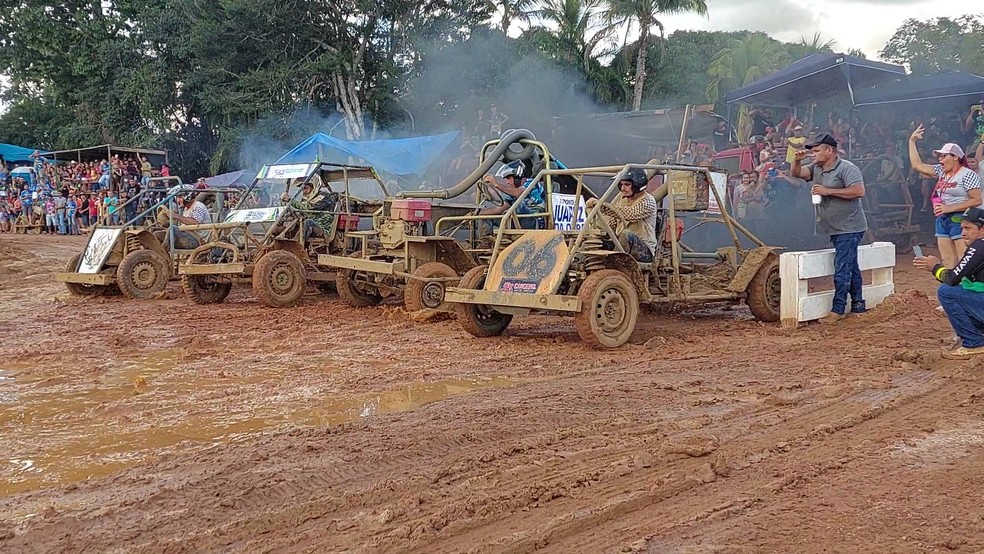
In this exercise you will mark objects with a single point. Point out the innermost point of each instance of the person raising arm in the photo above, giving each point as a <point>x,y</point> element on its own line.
<point>957,189</point>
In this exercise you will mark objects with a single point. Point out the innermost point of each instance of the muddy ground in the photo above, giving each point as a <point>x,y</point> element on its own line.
<point>168,427</point>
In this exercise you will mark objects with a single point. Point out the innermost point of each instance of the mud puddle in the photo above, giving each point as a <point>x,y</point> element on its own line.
<point>67,429</point>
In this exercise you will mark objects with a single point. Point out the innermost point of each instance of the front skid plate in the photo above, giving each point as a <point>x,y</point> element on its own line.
<point>554,302</point>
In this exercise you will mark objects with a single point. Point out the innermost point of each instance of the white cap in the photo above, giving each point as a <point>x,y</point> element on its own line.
<point>950,148</point>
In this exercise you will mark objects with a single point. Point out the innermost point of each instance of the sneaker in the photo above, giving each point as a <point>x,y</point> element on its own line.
<point>955,342</point>
<point>858,309</point>
<point>962,353</point>
<point>832,317</point>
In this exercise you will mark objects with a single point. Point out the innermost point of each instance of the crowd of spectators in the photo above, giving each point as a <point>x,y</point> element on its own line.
<point>876,142</point>
<point>67,197</point>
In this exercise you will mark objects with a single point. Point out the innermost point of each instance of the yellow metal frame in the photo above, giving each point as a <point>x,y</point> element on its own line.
<point>86,278</point>
<point>361,264</point>
<point>213,269</point>
<point>595,221</point>
<point>552,302</point>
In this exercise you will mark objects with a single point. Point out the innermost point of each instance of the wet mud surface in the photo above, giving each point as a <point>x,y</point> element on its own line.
<point>169,427</point>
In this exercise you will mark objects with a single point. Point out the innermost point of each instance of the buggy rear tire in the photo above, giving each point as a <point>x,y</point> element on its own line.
<point>609,309</point>
<point>143,275</point>
<point>202,290</point>
<point>351,292</point>
<point>421,295</point>
<point>765,290</point>
<point>479,320</point>
<point>278,279</point>
<point>81,289</point>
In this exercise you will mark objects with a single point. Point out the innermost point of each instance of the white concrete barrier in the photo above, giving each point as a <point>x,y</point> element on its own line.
<point>798,304</point>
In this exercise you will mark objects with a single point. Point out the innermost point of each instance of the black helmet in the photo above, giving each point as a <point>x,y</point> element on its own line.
<point>637,177</point>
<point>975,216</point>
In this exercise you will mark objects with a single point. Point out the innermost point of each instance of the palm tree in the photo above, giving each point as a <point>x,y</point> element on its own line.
<point>512,10</point>
<point>644,14</point>
<point>570,30</point>
<point>816,45</point>
<point>741,63</point>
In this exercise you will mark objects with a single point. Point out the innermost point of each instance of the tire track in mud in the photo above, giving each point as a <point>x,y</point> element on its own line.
<point>799,450</point>
<point>480,489</point>
<point>689,432</point>
<point>555,487</point>
<point>547,489</point>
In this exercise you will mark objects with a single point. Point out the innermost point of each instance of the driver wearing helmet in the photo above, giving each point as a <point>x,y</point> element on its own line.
<point>632,215</point>
<point>317,199</point>
<point>193,212</point>
<point>513,185</point>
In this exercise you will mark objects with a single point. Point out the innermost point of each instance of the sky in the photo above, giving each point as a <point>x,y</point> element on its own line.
<point>863,24</point>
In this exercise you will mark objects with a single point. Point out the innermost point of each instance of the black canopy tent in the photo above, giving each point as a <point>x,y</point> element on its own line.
<point>106,151</point>
<point>814,77</point>
<point>949,89</point>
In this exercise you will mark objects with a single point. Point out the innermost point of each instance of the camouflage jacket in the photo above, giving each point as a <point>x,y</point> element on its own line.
<point>321,202</point>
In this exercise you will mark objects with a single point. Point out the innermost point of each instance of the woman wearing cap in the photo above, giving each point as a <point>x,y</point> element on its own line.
<point>957,189</point>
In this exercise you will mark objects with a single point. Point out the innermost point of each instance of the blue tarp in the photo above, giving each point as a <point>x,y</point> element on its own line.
<point>408,156</point>
<point>815,77</point>
<point>13,153</point>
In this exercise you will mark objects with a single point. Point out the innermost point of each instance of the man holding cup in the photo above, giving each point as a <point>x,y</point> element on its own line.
<point>837,191</point>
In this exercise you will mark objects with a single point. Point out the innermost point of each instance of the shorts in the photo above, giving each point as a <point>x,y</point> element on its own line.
<point>948,226</point>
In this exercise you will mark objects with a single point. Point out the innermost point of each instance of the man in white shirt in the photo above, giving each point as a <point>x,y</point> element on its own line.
<point>193,212</point>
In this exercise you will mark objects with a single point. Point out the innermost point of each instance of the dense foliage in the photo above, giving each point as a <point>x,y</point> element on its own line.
<point>202,78</point>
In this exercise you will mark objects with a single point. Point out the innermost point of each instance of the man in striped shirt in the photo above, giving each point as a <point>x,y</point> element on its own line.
<point>193,212</point>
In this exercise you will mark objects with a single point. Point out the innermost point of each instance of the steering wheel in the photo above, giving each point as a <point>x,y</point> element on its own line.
<point>611,213</point>
<point>488,193</point>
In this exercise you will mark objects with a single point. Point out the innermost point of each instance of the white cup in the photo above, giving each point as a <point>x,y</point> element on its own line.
<point>816,199</point>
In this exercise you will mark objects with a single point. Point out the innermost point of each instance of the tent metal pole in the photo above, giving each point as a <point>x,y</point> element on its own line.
<point>729,125</point>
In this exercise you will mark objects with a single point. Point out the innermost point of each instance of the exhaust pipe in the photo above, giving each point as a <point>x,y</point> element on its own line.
<point>501,151</point>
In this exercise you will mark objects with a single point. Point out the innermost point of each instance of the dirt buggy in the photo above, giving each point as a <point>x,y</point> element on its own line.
<point>587,273</point>
<point>136,258</point>
<point>273,237</point>
<point>421,243</point>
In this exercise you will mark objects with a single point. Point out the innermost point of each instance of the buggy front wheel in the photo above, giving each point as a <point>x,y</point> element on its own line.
<point>478,319</point>
<point>609,309</point>
<point>278,279</point>
<point>205,289</point>
<point>765,290</point>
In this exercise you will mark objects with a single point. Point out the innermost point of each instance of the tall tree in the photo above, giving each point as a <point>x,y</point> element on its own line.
<point>741,63</point>
<point>574,34</point>
<point>816,45</point>
<point>939,44</point>
<point>681,72</point>
<point>644,15</point>
<point>511,10</point>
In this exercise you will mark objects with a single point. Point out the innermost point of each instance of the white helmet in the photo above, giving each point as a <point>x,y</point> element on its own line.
<point>514,169</point>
